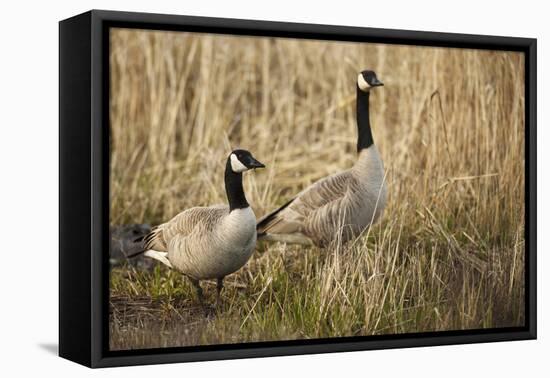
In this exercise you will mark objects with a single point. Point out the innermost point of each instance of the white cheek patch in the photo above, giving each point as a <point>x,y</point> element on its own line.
<point>236,164</point>
<point>361,82</point>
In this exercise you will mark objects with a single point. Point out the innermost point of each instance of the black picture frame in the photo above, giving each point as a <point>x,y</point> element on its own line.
<point>84,191</point>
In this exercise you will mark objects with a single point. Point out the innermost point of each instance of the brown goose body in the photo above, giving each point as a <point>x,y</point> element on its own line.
<point>337,207</point>
<point>206,242</point>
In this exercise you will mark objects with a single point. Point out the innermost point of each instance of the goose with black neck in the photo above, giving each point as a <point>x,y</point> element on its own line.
<point>210,242</point>
<point>341,206</point>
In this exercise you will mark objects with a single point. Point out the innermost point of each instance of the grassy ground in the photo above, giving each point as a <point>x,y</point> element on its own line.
<point>449,251</point>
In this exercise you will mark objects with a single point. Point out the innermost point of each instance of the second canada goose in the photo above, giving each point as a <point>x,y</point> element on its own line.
<point>210,242</point>
<point>342,205</point>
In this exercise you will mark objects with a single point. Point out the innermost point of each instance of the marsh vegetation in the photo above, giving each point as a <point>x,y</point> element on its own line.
<point>448,253</point>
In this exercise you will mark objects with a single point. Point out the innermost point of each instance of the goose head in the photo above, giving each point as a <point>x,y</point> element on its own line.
<point>242,160</point>
<point>366,80</point>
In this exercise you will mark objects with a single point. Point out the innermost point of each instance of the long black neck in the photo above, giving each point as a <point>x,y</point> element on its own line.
<point>234,188</point>
<point>364,133</point>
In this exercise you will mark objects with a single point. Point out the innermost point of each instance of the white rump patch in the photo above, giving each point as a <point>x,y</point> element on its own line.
<point>160,256</point>
<point>236,164</point>
<point>362,83</point>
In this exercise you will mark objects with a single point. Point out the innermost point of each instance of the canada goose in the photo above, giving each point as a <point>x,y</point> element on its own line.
<point>348,201</point>
<point>210,242</point>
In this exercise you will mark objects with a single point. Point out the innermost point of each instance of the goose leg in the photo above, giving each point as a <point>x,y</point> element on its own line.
<point>199,290</point>
<point>219,288</point>
<point>200,295</point>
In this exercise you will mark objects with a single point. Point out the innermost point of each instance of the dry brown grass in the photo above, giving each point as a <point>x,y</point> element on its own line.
<point>449,251</point>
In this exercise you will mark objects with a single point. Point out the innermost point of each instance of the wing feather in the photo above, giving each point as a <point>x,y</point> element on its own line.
<point>293,216</point>
<point>196,219</point>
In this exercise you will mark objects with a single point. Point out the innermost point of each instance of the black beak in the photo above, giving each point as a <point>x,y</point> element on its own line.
<point>376,82</point>
<point>253,163</point>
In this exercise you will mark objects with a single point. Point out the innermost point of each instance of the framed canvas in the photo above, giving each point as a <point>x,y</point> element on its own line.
<point>234,188</point>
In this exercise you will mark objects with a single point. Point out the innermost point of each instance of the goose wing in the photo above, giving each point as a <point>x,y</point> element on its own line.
<point>292,216</point>
<point>196,219</point>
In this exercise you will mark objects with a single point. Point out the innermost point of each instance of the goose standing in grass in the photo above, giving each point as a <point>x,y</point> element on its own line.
<point>210,242</point>
<point>341,206</point>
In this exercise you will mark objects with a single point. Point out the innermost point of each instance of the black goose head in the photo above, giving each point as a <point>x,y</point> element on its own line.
<point>242,160</point>
<point>367,79</point>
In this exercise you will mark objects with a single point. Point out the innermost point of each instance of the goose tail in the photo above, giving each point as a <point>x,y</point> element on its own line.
<point>267,222</point>
<point>150,241</point>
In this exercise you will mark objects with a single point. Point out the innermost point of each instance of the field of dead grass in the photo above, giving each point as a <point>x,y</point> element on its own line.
<point>448,253</point>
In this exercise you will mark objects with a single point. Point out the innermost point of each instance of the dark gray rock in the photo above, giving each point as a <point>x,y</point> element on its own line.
<point>125,242</point>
